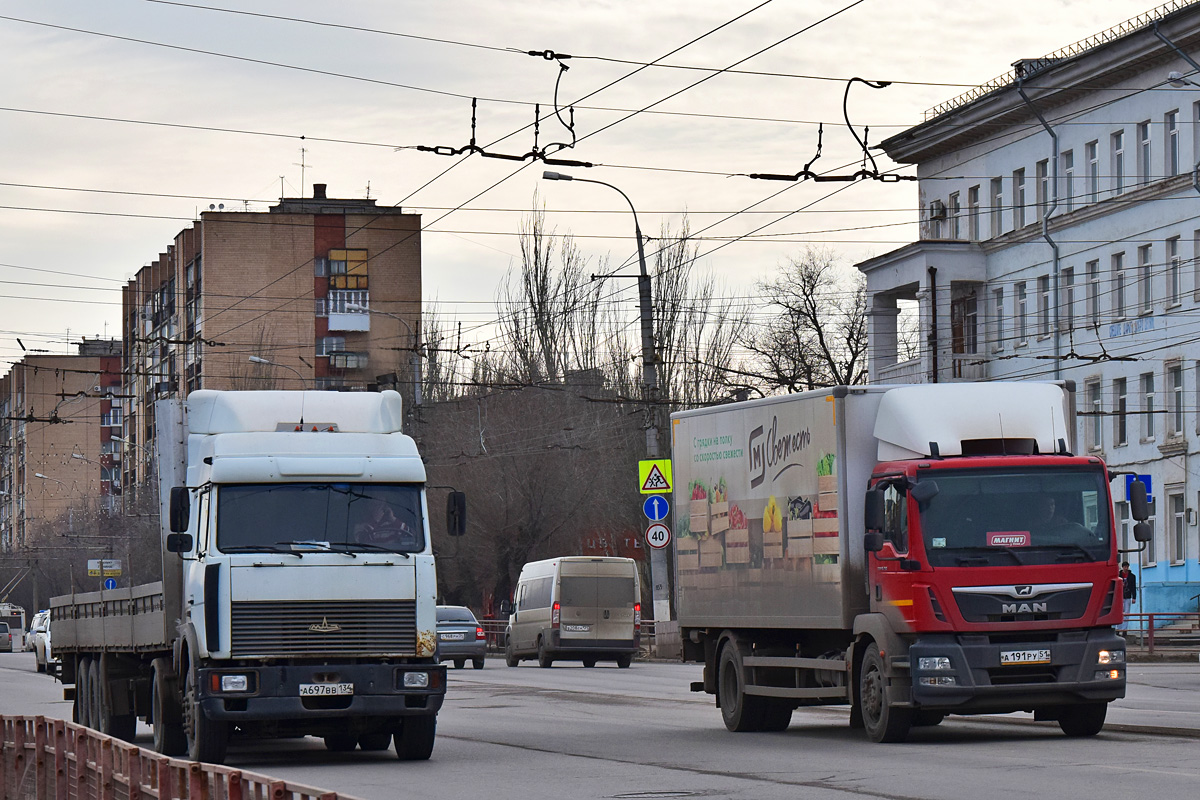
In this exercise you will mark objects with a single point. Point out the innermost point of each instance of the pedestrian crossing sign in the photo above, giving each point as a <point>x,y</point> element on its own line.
<point>654,477</point>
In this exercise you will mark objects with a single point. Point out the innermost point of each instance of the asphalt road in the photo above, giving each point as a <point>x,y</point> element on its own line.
<point>529,733</point>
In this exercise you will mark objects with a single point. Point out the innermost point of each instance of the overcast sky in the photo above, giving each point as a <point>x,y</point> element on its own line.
<point>123,119</point>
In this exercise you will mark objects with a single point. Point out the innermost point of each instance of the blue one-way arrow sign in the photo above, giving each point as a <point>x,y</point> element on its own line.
<point>656,507</point>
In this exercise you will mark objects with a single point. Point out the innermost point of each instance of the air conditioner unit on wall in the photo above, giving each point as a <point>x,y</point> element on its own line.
<point>937,210</point>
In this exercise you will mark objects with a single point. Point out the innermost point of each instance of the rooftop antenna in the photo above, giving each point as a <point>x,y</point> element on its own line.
<point>302,165</point>
<point>368,190</point>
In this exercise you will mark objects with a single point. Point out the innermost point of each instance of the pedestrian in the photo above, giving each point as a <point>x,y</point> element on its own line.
<point>1128,592</point>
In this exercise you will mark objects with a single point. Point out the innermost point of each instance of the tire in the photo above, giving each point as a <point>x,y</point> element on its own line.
<point>544,659</point>
<point>589,662</point>
<point>510,658</point>
<point>83,712</point>
<point>927,719</point>
<point>414,741</point>
<point>119,726</point>
<point>741,712</point>
<point>96,716</point>
<point>1083,720</point>
<point>477,663</point>
<point>207,739</point>
<point>374,742</point>
<point>166,712</point>
<point>624,660</point>
<point>341,742</point>
<point>459,663</point>
<point>777,715</point>
<point>881,722</point>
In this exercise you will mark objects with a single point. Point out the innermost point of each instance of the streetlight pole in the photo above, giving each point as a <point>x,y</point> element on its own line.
<point>414,359</point>
<point>261,360</point>
<point>658,557</point>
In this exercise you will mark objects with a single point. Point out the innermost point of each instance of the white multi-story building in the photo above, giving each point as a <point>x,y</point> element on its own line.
<point>1060,239</point>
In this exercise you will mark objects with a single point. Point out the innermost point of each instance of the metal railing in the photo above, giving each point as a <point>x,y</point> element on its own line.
<point>51,758</point>
<point>494,629</point>
<point>1163,630</point>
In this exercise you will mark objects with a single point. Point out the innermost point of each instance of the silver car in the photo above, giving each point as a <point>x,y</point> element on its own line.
<point>460,637</point>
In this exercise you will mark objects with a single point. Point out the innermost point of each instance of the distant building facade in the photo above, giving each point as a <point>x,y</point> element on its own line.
<point>1071,253</point>
<point>318,293</point>
<point>59,468</point>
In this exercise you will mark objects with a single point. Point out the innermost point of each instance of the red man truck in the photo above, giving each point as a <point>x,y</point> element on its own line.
<point>913,551</point>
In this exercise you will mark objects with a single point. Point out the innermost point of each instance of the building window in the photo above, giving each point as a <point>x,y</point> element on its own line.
<point>1018,190</point>
<point>1118,162</point>
<point>1120,408</point>
<point>1148,409</point>
<point>1043,188</point>
<point>327,345</point>
<point>973,213</point>
<point>937,219</point>
<point>1067,319</point>
<point>1095,425</point>
<point>1043,301</point>
<point>1171,126</point>
<point>1068,180</point>
<point>1177,520</point>
<point>1143,154</point>
<point>1092,153</point>
<point>997,206</point>
<point>1145,299</point>
<point>1118,284</point>
<point>1175,400</point>
<point>955,211</point>
<point>1093,293</point>
<point>1022,314</point>
<point>998,319</point>
<point>1174,268</point>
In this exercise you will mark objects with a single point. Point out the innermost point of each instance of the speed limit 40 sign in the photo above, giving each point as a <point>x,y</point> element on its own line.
<point>658,535</point>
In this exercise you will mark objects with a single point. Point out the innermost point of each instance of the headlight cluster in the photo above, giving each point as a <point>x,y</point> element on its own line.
<point>941,680</point>
<point>232,682</point>
<point>933,663</point>
<point>1111,657</point>
<point>1107,675</point>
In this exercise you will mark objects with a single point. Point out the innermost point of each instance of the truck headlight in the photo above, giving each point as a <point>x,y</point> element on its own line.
<point>416,680</point>
<point>1111,657</point>
<point>231,683</point>
<point>933,663</point>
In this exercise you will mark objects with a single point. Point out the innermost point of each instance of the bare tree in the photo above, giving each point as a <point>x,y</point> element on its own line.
<point>819,335</point>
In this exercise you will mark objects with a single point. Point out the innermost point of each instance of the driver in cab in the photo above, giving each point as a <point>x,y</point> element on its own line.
<point>383,528</point>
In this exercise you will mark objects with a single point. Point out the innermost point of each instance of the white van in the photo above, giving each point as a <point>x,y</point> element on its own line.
<point>576,608</point>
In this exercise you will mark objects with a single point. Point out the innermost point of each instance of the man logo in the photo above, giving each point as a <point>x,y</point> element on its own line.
<point>324,626</point>
<point>1024,591</point>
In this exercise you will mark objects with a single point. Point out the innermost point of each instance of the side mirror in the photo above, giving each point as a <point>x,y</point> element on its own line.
<point>873,542</point>
<point>1143,532</point>
<point>1139,501</point>
<point>181,509</point>
<point>456,513</point>
<point>873,516</point>
<point>179,542</point>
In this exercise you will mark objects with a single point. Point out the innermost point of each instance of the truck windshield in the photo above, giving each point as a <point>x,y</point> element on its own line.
<point>342,517</point>
<point>1003,517</point>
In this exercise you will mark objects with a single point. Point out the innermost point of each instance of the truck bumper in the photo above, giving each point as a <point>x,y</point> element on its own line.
<point>978,682</point>
<point>274,694</point>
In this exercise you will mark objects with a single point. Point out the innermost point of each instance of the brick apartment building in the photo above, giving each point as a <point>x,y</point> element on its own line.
<point>317,293</point>
<point>59,466</point>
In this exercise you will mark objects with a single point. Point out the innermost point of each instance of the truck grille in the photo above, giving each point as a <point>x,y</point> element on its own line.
<point>343,627</point>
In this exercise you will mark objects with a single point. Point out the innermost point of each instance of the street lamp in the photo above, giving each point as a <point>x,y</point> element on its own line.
<point>658,559</point>
<point>261,360</point>
<point>415,358</point>
<point>48,478</point>
<point>1177,80</point>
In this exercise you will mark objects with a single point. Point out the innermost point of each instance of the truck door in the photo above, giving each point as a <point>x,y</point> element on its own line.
<point>891,586</point>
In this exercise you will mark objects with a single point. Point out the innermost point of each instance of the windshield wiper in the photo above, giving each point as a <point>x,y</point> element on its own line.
<point>377,548</point>
<point>313,544</point>
<point>259,548</point>
<point>993,549</point>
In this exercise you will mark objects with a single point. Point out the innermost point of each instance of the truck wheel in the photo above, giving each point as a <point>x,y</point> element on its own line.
<point>83,712</point>
<point>166,712</point>
<point>624,660</point>
<point>1084,720</point>
<point>95,707</point>
<point>119,726</point>
<point>927,719</point>
<point>207,739</point>
<point>777,715</point>
<point>374,742</point>
<point>414,742</point>
<point>740,711</point>
<point>544,659</point>
<point>510,658</point>
<point>341,742</point>
<point>882,722</point>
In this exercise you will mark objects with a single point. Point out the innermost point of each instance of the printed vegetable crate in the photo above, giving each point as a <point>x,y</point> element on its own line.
<point>825,536</point>
<point>737,546</point>
<point>719,519</point>
<point>687,554</point>
<point>698,518</point>
<point>799,538</point>
<point>712,553</point>
<point>772,544</point>
<point>826,569</point>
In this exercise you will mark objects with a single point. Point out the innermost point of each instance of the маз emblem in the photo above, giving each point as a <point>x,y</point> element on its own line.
<point>324,626</point>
